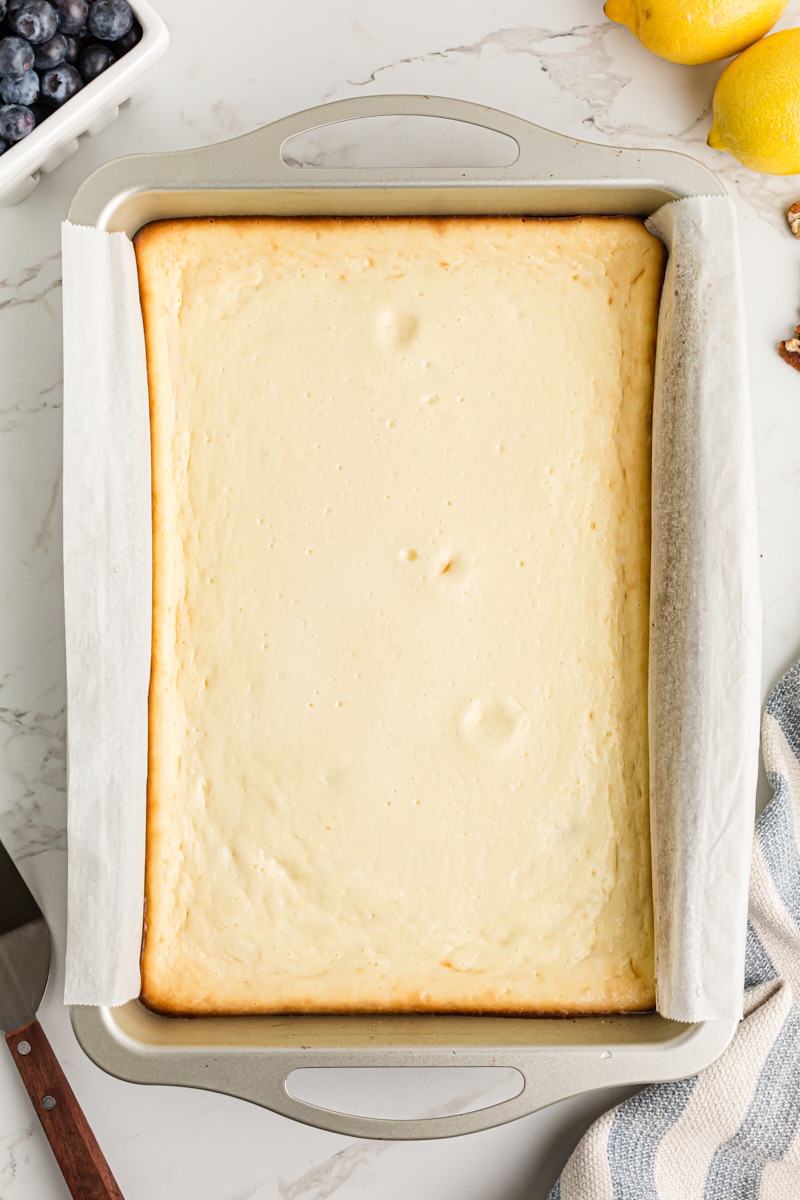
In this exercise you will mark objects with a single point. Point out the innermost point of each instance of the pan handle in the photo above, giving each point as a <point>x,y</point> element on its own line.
<point>281,1100</point>
<point>544,156</point>
<point>271,139</point>
<point>542,153</point>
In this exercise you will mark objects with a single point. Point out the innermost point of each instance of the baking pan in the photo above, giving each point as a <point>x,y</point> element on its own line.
<point>252,1057</point>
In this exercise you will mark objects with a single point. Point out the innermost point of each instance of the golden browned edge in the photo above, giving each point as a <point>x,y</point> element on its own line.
<point>146,239</point>
<point>161,1002</point>
<point>436,1010</point>
<point>153,997</point>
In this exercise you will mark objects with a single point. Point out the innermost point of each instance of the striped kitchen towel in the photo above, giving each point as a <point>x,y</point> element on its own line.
<point>733,1131</point>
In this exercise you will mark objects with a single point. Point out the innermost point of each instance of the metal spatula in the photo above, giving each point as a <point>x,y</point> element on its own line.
<point>24,967</point>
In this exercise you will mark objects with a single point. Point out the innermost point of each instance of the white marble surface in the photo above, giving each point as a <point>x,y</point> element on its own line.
<point>558,62</point>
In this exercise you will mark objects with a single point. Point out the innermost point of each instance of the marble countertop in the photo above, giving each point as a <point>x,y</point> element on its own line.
<point>560,64</point>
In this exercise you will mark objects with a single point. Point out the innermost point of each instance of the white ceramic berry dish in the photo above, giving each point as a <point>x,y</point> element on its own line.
<point>89,111</point>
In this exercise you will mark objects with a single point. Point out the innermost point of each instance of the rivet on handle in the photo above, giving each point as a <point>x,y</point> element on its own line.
<point>23,1047</point>
<point>48,1102</point>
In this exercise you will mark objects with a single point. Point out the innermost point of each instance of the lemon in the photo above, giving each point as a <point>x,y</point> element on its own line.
<point>696,31</point>
<point>757,106</point>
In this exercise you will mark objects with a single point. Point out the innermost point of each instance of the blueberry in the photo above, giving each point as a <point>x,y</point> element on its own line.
<point>16,56</point>
<point>2,18</point>
<point>35,20</point>
<point>71,14</point>
<point>73,50</point>
<point>16,122</point>
<point>95,58</point>
<point>59,84</point>
<point>130,39</point>
<point>3,146</point>
<point>23,90</point>
<point>51,53</point>
<point>110,20</point>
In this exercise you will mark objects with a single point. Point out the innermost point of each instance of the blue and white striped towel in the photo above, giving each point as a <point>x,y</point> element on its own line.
<point>733,1131</point>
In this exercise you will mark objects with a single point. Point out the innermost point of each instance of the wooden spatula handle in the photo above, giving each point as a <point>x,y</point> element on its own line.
<point>86,1171</point>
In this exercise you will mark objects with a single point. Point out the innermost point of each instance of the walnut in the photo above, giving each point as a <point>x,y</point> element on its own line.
<point>790,350</point>
<point>793,217</point>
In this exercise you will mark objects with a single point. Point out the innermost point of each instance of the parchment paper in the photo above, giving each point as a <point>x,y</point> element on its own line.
<point>705,639</point>
<point>107,602</point>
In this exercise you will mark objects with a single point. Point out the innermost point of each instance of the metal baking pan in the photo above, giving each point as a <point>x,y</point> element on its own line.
<point>252,1057</point>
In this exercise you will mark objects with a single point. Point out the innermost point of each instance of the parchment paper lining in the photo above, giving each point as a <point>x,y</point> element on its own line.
<point>705,615</point>
<point>107,602</point>
<point>705,641</point>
